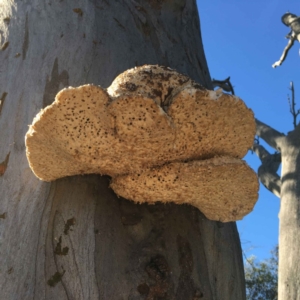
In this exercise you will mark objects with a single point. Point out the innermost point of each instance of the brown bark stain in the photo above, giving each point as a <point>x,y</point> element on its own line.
<point>3,165</point>
<point>2,100</point>
<point>3,216</point>
<point>6,20</point>
<point>58,248</point>
<point>56,278</point>
<point>78,11</point>
<point>186,286</point>
<point>52,85</point>
<point>26,39</point>
<point>158,271</point>
<point>70,222</point>
<point>4,46</point>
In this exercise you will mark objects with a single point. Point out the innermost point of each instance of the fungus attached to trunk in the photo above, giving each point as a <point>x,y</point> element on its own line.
<point>160,135</point>
<point>216,186</point>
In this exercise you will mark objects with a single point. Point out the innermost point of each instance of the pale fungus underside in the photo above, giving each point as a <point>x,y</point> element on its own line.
<point>216,186</point>
<point>151,123</point>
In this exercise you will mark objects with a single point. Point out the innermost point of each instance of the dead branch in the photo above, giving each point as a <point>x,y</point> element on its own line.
<point>292,21</point>
<point>292,104</point>
<point>271,136</point>
<point>285,52</point>
<point>267,172</point>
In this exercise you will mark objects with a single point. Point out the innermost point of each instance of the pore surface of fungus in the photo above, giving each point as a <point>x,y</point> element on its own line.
<point>223,188</point>
<point>150,117</point>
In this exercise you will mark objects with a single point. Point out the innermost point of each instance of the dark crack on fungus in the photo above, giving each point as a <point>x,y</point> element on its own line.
<point>157,93</point>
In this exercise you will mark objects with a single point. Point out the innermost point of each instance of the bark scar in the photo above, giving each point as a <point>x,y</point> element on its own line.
<point>186,287</point>
<point>3,216</point>
<point>68,225</point>
<point>119,23</point>
<point>59,250</point>
<point>78,11</point>
<point>4,46</point>
<point>158,270</point>
<point>56,278</point>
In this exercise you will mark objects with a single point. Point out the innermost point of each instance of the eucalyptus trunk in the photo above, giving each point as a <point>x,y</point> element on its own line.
<point>289,216</point>
<point>287,188</point>
<point>74,238</point>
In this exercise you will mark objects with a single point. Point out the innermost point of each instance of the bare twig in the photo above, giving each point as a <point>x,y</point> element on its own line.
<point>292,104</point>
<point>267,172</point>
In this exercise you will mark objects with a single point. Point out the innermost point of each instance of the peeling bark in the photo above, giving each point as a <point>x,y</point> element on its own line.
<point>74,239</point>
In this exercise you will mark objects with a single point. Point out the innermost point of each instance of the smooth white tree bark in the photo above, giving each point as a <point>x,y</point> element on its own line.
<point>73,238</point>
<point>287,188</point>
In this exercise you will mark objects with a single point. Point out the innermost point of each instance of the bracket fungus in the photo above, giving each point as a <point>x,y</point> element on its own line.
<point>158,134</point>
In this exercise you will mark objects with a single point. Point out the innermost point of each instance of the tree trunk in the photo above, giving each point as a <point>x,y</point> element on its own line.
<point>73,238</point>
<point>289,216</point>
<point>287,187</point>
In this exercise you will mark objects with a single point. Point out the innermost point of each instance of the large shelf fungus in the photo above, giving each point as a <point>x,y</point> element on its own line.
<point>151,123</point>
<point>223,188</point>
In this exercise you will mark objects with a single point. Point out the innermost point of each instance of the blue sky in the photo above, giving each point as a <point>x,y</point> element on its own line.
<point>242,39</point>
